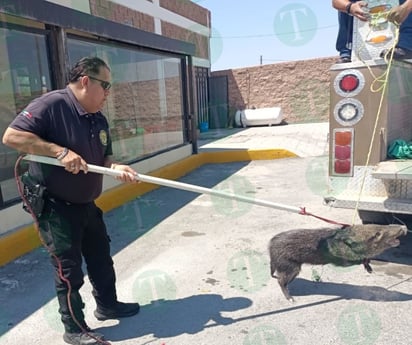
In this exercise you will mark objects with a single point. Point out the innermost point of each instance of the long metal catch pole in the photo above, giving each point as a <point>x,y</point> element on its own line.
<point>172,184</point>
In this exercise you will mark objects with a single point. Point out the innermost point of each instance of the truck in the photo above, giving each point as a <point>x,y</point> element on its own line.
<point>370,128</point>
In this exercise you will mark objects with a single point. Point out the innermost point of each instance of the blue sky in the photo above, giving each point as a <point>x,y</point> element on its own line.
<point>277,30</point>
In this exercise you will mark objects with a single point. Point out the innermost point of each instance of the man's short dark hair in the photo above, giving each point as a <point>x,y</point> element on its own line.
<point>86,66</point>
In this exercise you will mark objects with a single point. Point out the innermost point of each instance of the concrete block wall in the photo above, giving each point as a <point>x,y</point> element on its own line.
<point>121,14</point>
<point>201,42</point>
<point>300,88</point>
<point>184,8</point>
<point>188,9</point>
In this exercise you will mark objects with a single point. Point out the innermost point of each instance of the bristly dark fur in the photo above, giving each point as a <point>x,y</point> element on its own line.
<point>351,245</point>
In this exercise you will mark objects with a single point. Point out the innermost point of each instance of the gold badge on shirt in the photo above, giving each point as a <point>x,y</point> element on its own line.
<point>103,137</point>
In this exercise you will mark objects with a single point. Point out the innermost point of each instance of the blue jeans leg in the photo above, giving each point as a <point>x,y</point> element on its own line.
<point>344,38</point>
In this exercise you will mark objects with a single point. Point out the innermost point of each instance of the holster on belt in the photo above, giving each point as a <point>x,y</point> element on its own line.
<point>34,195</point>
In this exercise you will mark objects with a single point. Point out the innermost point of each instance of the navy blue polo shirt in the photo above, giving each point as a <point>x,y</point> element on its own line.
<point>59,118</point>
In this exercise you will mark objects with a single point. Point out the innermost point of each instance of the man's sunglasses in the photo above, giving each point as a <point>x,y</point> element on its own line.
<point>104,84</point>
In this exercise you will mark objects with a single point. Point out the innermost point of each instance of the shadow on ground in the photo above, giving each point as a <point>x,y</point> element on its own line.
<point>303,287</point>
<point>189,315</point>
<point>133,219</point>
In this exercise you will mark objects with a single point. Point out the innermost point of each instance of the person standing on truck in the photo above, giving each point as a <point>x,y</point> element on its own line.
<point>68,124</point>
<point>399,15</point>
<point>346,11</point>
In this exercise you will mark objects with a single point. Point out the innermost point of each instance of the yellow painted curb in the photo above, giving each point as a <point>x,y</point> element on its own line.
<point>18,243</point>
<point>25,239</point>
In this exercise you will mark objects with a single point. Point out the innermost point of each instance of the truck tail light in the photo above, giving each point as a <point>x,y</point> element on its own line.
<point>349,83</point>
<point>348,111</point>
<point>342,163</point>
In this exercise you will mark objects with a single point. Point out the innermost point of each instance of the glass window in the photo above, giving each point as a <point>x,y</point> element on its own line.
<point>24,75</point>
<point>144,108</point>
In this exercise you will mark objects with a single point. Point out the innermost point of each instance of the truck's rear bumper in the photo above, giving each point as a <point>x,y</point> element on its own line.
<point>386,187</point>
<point>375,204</point>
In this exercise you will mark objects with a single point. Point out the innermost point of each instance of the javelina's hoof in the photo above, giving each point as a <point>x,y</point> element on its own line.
<point>366,264</point>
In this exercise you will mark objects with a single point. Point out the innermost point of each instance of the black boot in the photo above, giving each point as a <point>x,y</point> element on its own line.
<point>76,330</point>
<point>116,311</point>
<point>83,338</point>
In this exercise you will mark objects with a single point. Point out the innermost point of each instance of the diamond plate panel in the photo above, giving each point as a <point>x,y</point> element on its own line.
<point>377,195</point>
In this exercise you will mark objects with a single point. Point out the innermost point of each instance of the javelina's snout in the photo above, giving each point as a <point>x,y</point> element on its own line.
<point>342,247</point>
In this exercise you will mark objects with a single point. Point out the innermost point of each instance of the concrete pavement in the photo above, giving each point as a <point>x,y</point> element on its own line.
<point>198,264</point>
<point>304,140</point>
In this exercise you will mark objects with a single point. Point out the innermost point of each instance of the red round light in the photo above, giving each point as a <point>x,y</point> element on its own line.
<point>349,83</point>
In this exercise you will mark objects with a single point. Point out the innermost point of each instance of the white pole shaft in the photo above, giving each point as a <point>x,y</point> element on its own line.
<point>171,183</point>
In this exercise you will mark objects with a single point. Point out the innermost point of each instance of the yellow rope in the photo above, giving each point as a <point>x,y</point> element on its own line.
<point>383,80</point>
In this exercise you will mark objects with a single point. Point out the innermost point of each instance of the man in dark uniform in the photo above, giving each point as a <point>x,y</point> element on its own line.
<point>67,124</point>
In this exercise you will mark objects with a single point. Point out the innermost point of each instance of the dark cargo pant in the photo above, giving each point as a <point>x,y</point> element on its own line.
<point>71,231</point>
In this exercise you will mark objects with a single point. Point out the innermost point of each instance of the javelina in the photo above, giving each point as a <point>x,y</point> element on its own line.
<point>342,247</point>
